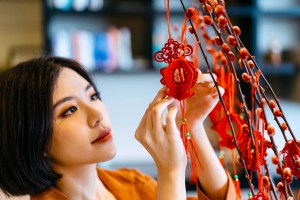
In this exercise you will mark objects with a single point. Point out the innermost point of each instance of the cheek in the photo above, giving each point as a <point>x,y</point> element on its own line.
<point>67,143</point>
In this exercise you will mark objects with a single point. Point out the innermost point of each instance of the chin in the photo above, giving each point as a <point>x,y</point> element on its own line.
<point>109,155</point>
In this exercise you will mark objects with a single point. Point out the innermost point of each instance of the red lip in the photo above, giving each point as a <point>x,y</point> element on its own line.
<point>104,136</point>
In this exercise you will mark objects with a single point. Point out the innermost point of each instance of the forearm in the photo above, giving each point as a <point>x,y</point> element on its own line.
<point>171,185</point>
<point>212,176</point>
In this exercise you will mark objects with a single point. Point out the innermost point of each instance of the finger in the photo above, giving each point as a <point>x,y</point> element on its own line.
<point>157,113</point>
<point>206,78</point>
<point>214,91</point>
<point>141,128</point>
<point>171,120</point>
<point>175,103</point>
<point>159,96</point>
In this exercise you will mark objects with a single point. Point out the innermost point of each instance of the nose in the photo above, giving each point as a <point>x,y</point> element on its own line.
<point>94,115</point>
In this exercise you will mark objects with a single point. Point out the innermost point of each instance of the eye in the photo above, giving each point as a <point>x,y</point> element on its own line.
<point>95,96</point>
<point>69,111</point>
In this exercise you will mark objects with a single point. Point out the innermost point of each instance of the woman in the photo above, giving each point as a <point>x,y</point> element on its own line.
<point>55,128</point>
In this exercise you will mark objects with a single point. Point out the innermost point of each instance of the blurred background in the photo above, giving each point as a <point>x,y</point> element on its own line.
<point>116,39</point>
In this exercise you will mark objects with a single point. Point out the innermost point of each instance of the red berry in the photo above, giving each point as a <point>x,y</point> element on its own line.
<point>202,1</point>
<point>272,104</point>
<point>237,30</point>
<point>278,170</point>
<point>207,8</point>
<point>231,40</point>
<point>222,22</point>
<point>265,180</point>
<point>275,160</point>
<point>287,174</point>
<point>245,129</point>
<point>246,78</point>
<point>208,20</point>
<point>225,48</point>
<point>243,53</point>
<point>280,187</point>
<point>270,130</point>
<point>219,10</point>
<point>250,64</point>
<point>241,63</point>
<point>191,30</point>
<point>190,13</point>
<point>214,3</point>
<point>231,56</point>
<point>259,111</point>
<point>278,113</point>
<point>284,126</point>
<point>216,40</point>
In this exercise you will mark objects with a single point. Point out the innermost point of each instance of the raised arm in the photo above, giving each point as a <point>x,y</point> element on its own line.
<point>213,178</point>
<point>164,144</point>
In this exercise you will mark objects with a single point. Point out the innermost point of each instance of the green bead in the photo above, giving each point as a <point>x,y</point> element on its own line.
<point>282,162</point>
<point>183,119</point>
<point>249,194</point>
<point>236,177</point>
<point>221,153</point>
<point>187,134</point>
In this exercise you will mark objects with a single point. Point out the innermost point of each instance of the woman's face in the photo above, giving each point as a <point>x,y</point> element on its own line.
<point>82,129</point>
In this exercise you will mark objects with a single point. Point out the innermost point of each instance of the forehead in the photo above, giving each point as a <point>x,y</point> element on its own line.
<point>68,82</point>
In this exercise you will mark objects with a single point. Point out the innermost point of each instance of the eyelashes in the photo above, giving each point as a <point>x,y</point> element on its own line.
<point>69,111</point>
<point>96,96</point>
<point>72,109</point>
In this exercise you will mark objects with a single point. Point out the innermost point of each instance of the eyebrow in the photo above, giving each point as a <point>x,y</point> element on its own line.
<point>63,100</point>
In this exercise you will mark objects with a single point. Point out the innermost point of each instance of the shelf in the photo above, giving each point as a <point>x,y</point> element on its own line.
<point>135,9</point>
<point>241,11</point>
<point>146,21</point>
<point>281,12</point>
<point>284,69</point>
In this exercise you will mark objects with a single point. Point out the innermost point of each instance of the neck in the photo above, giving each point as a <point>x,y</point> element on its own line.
<point>81,183</point>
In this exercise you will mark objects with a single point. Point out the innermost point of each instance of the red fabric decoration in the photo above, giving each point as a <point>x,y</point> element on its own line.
<point>291,152</point>
<point>252,161</point>
<point>261,196</point>
<point>172,50</point>
<point>180,77</point>
<point>223,128</point>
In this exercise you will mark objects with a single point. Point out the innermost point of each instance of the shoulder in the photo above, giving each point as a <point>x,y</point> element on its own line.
<point>130,183</point>
<point>126,175</point>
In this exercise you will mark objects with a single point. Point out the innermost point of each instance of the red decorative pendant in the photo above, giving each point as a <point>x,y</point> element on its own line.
<point>291,153</point>
<point>180,76</point>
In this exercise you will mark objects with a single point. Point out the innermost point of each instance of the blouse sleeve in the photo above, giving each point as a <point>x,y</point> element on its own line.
<point>230,194</point>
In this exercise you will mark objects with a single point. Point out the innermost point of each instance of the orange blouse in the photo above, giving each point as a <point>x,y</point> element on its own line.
<point>128,184</point>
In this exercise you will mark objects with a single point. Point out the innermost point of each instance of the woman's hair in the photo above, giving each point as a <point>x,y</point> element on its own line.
<point>26,123</point>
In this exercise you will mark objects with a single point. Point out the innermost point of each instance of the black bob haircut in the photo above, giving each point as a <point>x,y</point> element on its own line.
<point>26,123</point>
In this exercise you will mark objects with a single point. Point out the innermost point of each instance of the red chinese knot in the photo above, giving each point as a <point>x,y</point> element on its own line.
<point>180,76</point>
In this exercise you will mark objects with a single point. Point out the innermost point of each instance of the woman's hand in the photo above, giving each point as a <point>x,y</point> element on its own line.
<point>163,142</point>
<point>201,104</point>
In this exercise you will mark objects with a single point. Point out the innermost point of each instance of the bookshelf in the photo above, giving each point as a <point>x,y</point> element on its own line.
<point>121,36</point>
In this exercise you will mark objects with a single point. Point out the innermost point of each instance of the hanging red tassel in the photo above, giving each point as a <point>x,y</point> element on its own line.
<point>236,177</point>
<point>237,186</point>
<point>189,143</point>
<point>221,158</point>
